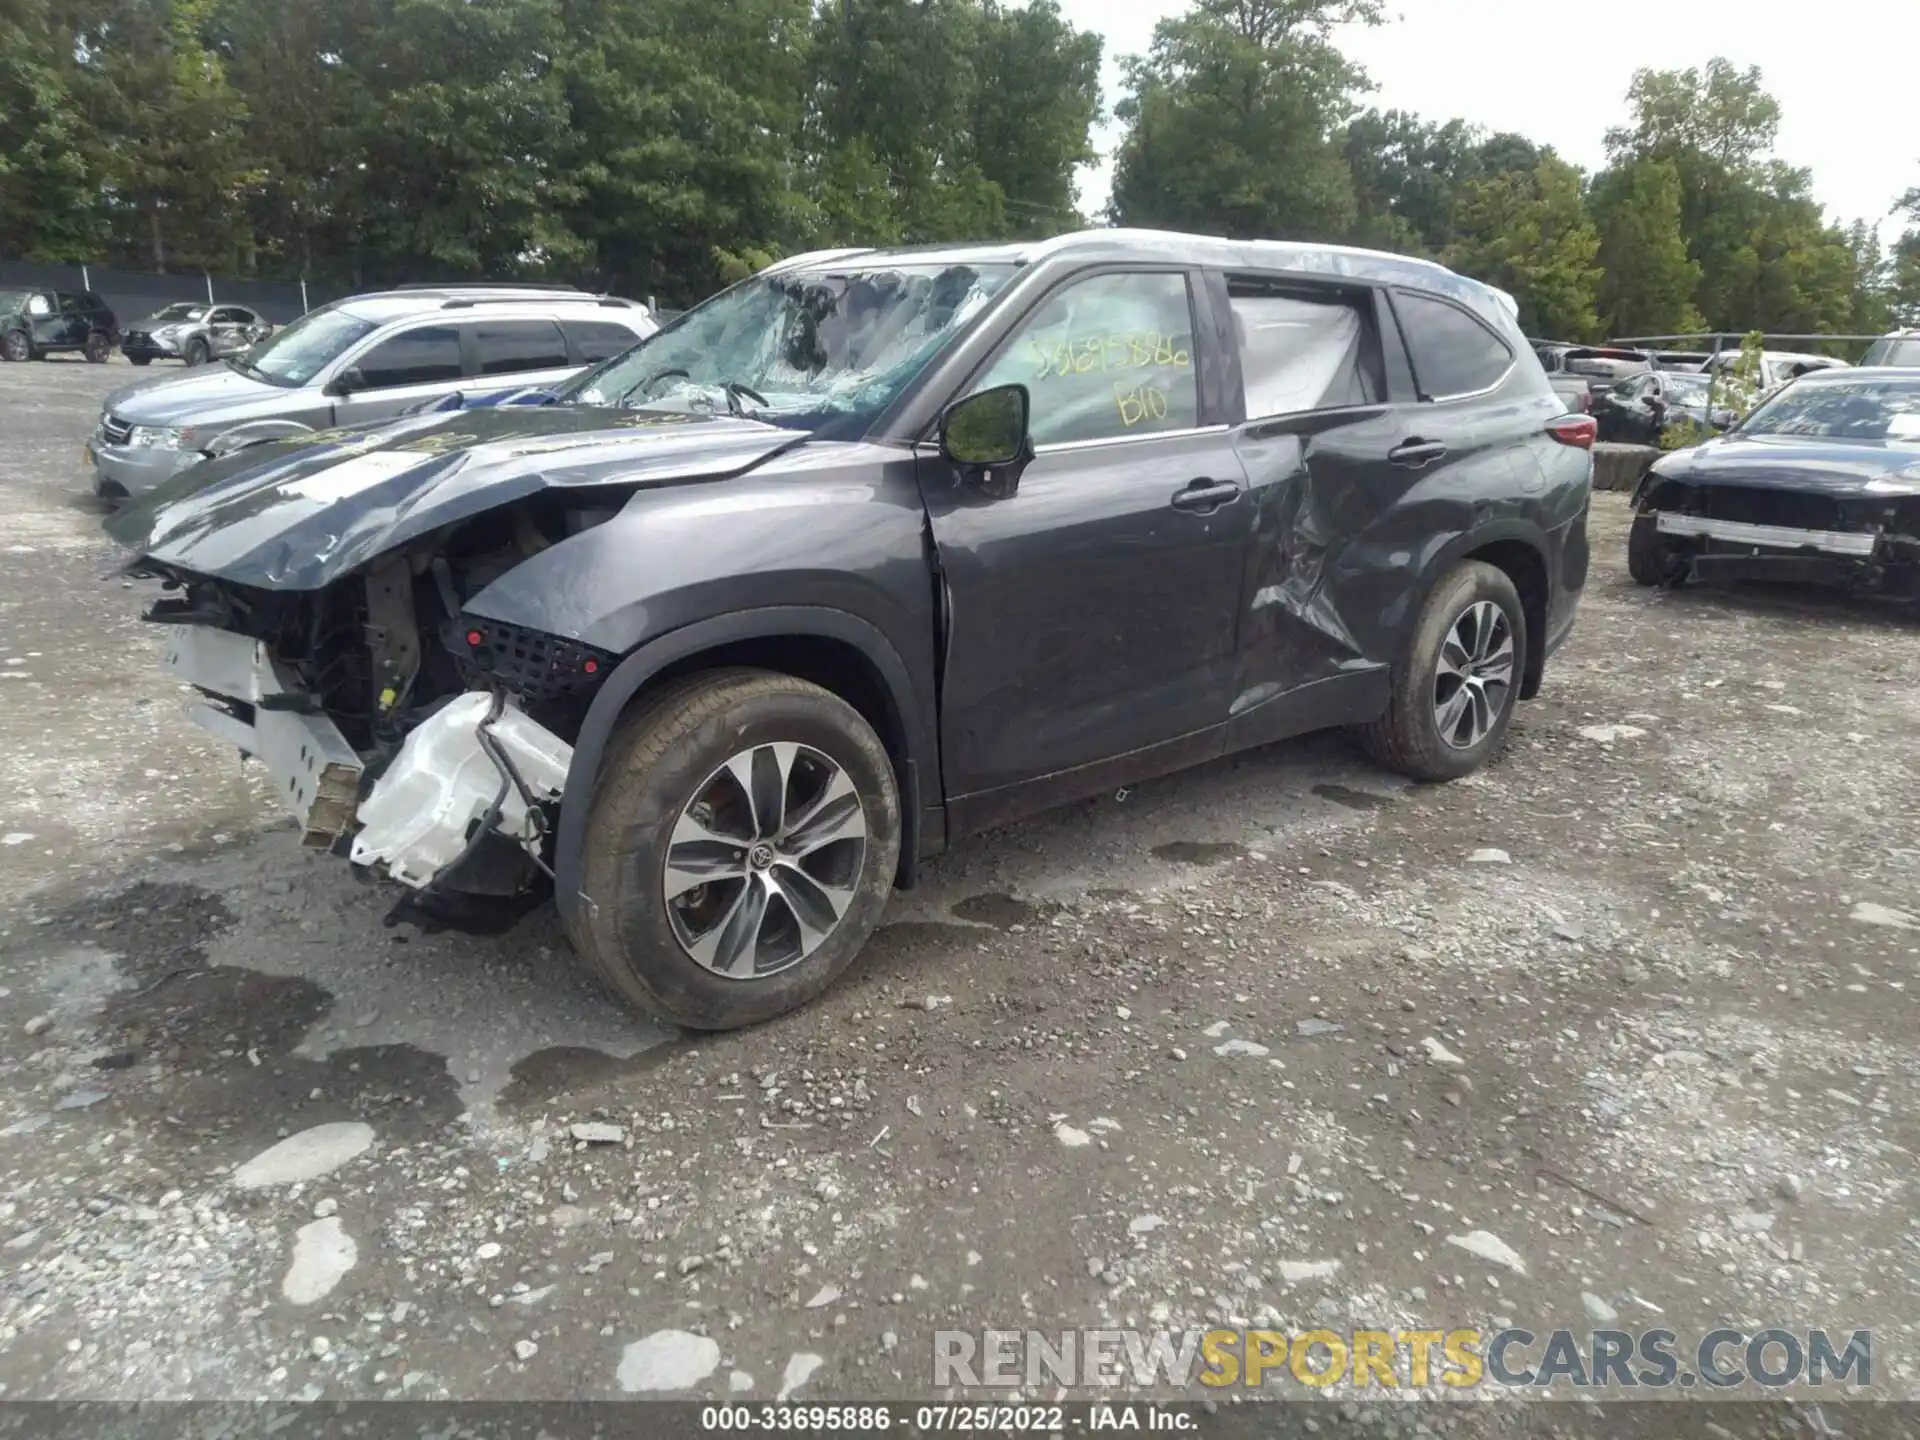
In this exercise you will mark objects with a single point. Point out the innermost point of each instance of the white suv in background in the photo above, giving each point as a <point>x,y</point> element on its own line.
<point>1902,347</point>
<point>367,358</point>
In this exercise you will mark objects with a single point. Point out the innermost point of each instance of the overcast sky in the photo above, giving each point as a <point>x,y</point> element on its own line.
<point>1843,71</point>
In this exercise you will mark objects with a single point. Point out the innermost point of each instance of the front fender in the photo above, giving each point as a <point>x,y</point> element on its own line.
<point>912,709</point>
<point>254,432</point>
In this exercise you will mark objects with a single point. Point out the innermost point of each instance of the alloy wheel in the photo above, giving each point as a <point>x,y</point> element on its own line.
<point>764,860</point>
<point>1474,677</point>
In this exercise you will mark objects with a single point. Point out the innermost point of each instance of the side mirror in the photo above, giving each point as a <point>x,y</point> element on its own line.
<point>1721,420</point>
<point>346,382</point>
<point>986,435</point>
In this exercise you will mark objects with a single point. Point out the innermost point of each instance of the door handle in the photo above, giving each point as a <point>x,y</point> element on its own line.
<point>1205,496</point>
<point>1415,453</point>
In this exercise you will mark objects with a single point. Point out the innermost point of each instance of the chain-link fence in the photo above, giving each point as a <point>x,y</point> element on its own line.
<point>133,295</point>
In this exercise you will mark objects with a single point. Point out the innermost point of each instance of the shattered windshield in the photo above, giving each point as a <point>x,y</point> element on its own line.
<point>803,349</point>
<point>1687,389</point>
<point>174,314</point>
<point>1842,410</point>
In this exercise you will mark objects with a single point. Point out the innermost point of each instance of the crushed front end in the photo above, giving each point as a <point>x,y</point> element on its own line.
<point>429,745</point>
<point>1856,537</point>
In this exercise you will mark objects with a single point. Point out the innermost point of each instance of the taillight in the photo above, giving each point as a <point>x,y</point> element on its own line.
<point>1575,430</point>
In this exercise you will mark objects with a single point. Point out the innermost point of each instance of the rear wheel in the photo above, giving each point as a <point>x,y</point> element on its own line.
<point>197,352</point>
<point>15,346</point>
<point>1455,689</point>
<point>98,347</point>
<point>1651,558</point>
<point>743,836</point>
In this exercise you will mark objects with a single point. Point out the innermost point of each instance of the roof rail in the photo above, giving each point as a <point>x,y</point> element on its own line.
<point>468,302</point>
<point>484,285</point>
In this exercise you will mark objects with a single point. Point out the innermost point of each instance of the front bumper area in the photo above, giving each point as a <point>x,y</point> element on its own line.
<point>1859,545</point>
<point>1719,549</point>
<point>254,704</point>
<point>121,471</point>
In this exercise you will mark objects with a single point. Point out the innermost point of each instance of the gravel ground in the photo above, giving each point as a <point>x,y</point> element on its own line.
<point>1251,1045</point>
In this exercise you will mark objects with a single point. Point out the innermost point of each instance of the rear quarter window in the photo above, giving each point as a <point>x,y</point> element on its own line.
<point>1452,352</point>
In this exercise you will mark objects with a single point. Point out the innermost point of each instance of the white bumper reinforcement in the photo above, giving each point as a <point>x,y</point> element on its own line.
<point>424,811</point>
<point>315,772</point>
<point>1774,537</point>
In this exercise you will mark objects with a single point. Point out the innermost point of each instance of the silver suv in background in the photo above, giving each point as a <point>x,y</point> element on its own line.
<point>357,361</point>
<point>193,333</point>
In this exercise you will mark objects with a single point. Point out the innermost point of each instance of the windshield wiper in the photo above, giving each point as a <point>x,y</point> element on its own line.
<point>736,392</point>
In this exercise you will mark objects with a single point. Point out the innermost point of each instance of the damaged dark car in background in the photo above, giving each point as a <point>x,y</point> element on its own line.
<point>1819,484</point>
<point>870,551</point>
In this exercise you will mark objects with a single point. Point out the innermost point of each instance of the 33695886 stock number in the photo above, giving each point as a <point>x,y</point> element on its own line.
<point>857,1419</point>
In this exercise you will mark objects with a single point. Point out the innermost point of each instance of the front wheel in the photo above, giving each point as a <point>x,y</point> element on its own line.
<point>15,346</point>
<point>98,347</point>
<point>1455,689</point>
<point>743,836</point>
<point>1652,560</point>
<point>197,352</point>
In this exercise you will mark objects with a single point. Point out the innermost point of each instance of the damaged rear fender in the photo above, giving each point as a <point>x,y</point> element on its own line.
<point>912,706</point>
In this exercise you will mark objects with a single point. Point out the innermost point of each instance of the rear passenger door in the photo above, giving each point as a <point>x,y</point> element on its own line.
<point>1316,424</point>
<point>514,354</point>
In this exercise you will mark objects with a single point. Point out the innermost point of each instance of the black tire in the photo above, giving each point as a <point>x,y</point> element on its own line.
<point>140,359</point>
<point>1651,560</point>
<point>1408,738</point>
<point>98,348</point>
<point>16,346</point>
<point>658,762</point>
<point>197,352</point>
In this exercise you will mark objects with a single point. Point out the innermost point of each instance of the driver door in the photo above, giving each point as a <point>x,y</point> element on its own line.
<point>418,364</point>
<point>1091,614</point>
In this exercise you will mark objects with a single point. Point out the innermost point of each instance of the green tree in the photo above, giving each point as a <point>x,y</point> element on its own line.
<point>1528,233</point>
<point>1035,101</point>
<point>171,155</point>
<point>1648,279</point>
<point>49,192</point>
<point>1234,121</point>
<point>1407,173</point>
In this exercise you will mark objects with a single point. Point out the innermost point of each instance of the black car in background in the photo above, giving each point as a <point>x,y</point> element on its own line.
<point>1640,409</point>
<point>871,551</point>
<point>1820,483</point>
<point>194,333</point>
<point>34,323</point>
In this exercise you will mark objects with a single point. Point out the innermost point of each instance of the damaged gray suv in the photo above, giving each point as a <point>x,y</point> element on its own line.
<point>872,550</point>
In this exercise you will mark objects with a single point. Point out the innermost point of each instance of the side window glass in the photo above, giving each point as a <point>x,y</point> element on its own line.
<point>39,305</point>
<point>1106,358</point>
<point>1299,352</point>
<point>509,346</point>
<point>70,305</point>
<point>418,357</point>
<point>1453,353</point>
<point>600,339</point>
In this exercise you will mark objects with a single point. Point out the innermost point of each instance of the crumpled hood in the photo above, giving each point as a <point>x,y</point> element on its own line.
<point>298,514</point>
<point>206,394</point>
<point>1790,462</point>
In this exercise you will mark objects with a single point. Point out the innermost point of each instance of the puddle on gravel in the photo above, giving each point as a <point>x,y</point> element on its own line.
<point>1349,797</point>
<point>1197,852</point>
<point>1000,911</point>
<point>564,1069</point>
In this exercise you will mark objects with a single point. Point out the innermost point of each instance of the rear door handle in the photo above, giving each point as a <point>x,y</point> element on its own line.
<point>1205,496</point>
<point>1416,453</point>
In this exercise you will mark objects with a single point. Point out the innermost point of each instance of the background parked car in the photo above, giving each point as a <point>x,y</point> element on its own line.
<point>1820,484</point>
<point>1776,366</point>
<point>1641,408</point>
<point>1900,348</point>
<point>368,358</point>
<point>46,322</point>
<point>194,333</point>
<point>1685,361</point>
<point>1573,390</point>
